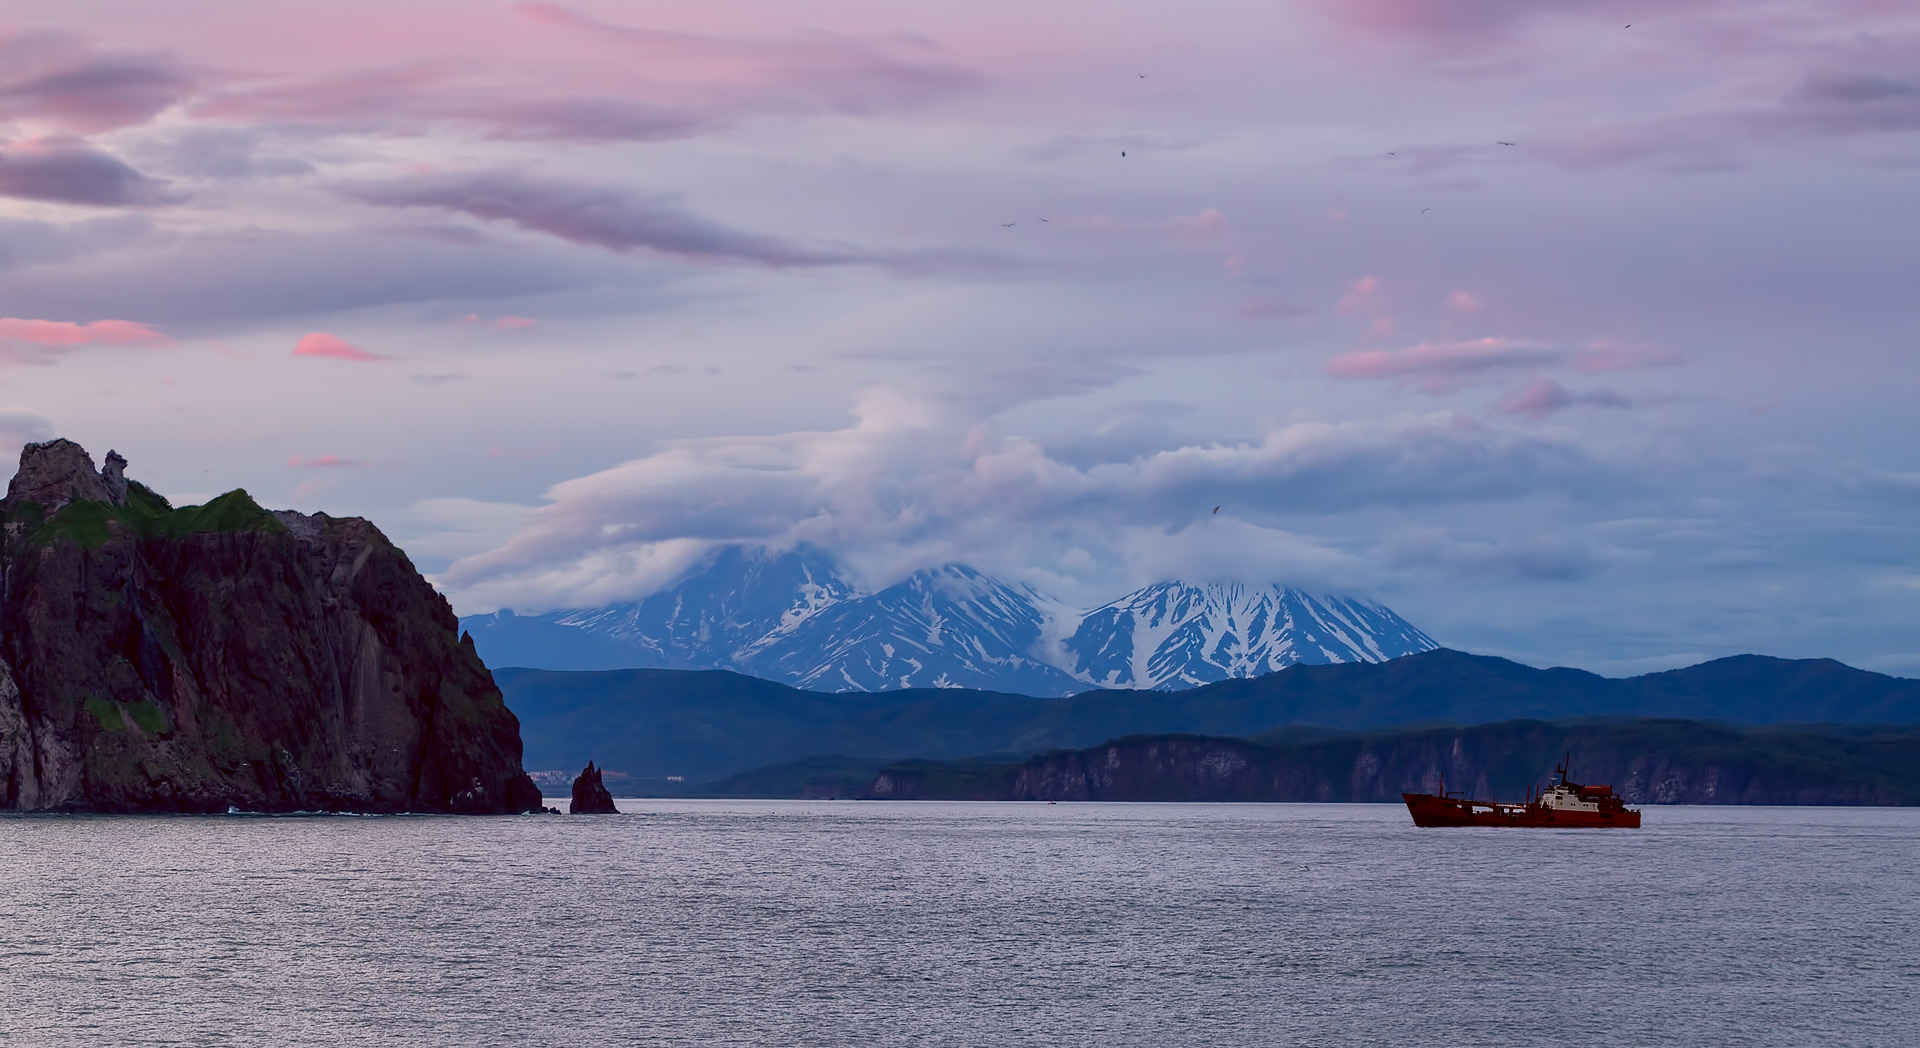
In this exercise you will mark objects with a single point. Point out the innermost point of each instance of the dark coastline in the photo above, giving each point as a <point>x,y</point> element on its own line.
<point>706,726</point>
<point>1649,761</point>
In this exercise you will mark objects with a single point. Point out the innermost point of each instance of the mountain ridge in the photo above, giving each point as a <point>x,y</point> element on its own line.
<point>709,724</point>
<point>795,616</point>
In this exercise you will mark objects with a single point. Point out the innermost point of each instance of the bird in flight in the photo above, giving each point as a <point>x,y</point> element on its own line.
<point>1216,511</point>
<point>1123,152</point>
<point>1006,225</point>
<point>1424,210</point>
<point>1503,143</point>
<point>1042,219</point>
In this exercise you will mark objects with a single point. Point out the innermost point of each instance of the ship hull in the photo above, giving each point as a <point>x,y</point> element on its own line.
<point>1431,811</point>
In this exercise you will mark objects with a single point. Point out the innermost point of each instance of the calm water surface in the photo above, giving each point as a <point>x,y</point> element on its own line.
<point>849,924</point>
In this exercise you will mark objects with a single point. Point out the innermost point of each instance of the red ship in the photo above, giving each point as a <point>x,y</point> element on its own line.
<point>1566,804</point>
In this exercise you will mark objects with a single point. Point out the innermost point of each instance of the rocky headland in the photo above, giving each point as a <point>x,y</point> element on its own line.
<point>155,659</point>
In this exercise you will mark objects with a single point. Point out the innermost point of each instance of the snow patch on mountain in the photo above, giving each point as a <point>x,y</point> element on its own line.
<point>1175,634</point>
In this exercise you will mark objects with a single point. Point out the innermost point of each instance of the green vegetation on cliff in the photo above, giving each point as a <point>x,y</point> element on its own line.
<point>233,511</point>
<point>145,514</point>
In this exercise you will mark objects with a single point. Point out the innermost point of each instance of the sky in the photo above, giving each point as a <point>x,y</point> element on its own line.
<point>1580,333</point>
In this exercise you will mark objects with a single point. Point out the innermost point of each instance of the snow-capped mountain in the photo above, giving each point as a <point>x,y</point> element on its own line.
<point>796,617</point>
<point>951,627</point>
<point>737,599</point>
<point>793,617</point>
<point>1178,635</point>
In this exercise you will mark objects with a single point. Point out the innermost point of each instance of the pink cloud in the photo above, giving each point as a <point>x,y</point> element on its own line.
<point>322,344</point>
<point>504,323</point>
<point>841,73</point>
<point>1608,355</point>
<point>38,340</point>
<point>601,82</point>
<point>1544,396</point>
<point>320,462</point>
<point>1207,223</point>
<point>1361,295</point>
<point>1441,366</point>
<point>1464,303</point>
<point>65,334</point>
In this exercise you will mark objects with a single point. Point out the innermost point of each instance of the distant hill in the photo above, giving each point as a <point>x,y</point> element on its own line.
<point>1648,761</point>
<point>796,617</point>
<point>704,726</point>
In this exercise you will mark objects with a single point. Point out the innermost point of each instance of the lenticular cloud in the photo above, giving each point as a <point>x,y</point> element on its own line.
<point>38,340</point>
<point>921,480</point>
<point>322,344</point>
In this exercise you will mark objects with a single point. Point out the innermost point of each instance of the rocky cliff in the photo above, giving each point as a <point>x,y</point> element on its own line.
<point>1646,761</point>
<point>217,656</point>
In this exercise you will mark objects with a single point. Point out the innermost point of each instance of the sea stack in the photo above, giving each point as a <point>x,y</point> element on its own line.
<point>223,656</point>
<point>590,796</point>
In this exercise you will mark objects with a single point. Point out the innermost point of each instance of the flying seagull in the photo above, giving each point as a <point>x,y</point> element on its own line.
<point>1123,152</point>
<point>1424,210</point>
<point>1503,143</point>
<point>1006,225</point>
<point>1042,219</point>
<point>1216,511</point>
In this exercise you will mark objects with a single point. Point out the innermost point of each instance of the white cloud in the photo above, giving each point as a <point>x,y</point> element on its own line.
<point>918,480</point>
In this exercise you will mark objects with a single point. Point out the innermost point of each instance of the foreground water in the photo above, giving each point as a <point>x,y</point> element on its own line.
<point>848,924</point>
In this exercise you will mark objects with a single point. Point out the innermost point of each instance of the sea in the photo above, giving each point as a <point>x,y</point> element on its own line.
<point>848,923</point>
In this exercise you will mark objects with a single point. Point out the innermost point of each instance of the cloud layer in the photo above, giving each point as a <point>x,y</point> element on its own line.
<point>1576,342</point>
<point>597,216</point>
<point>67,171</point>
<point>914,478</point>
<point>62,82</point>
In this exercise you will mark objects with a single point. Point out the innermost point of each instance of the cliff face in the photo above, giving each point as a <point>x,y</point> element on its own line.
<point>1646,761</point>
<point>154,659</point>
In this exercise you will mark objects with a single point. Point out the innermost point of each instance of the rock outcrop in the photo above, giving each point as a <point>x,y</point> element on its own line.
<point>590,796</point>
<point>223,656</point>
